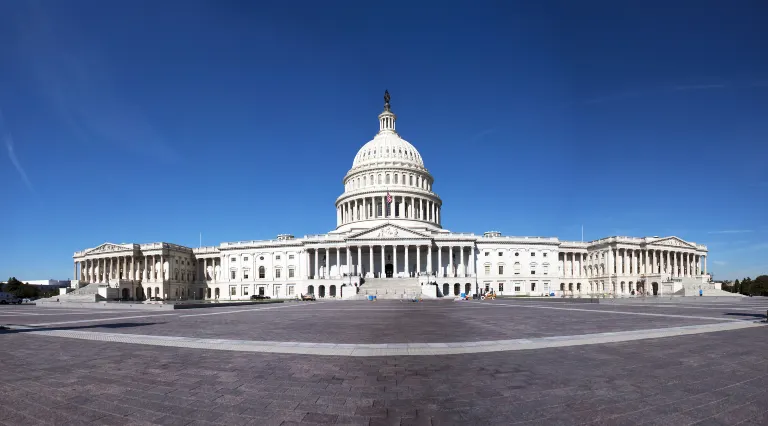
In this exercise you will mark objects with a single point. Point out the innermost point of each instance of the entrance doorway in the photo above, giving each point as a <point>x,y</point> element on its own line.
<point>655,289</point>
<point>388,270</point>
<point>321,291</point>
<point>126,293</point>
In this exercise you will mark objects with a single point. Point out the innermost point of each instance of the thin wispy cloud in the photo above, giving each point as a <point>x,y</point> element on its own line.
<point>8,141</point>
<point>77,81</point>
<point>719,262</point>
<point>732,231</point>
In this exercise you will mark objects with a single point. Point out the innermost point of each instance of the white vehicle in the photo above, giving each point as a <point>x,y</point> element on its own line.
<point>6,298</point>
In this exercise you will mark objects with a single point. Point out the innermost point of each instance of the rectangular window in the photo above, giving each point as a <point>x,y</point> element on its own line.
<point>276,291</point>
<point>533,254</point>
<point>245,291</point>
<point>501,269</point>
<point>277,257</point>
<point>290,273</point>
<point>544,254</point>
<point>501,254</point>
<point>487,253</point>
<point>277,273</point>
<point>290,290</point>
<point>245,274</point>
<point>245,259</point>
<point>290,257</point>
<point>233,291</point>
<point>487,269</point>
<point>501,287</point>
<point>517,288</point>
<point>487,286</point>
<point>533,272</point>
<point>233,274</point>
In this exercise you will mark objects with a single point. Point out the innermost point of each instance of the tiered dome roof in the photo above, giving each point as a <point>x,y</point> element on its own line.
<point>387,146</point>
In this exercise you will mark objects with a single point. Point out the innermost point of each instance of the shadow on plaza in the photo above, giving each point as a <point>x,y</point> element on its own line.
<point>26,329</point>
<point>744,314</point>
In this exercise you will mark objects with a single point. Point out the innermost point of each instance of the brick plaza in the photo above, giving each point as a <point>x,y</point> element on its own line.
<point>492,362</point>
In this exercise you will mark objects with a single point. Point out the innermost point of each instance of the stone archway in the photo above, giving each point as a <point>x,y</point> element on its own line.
<point>655,287</point>
<point>321,291</point>
<point>126,293</point>
<point>456,289</point>
<point>332,291</point>
<point>467,288</point>
<point>446,289</point>
<point>311,289</point>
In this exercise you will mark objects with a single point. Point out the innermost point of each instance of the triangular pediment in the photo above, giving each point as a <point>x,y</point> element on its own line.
<point>388,231</point>
<point>107,247</point>
<point>673,242</point>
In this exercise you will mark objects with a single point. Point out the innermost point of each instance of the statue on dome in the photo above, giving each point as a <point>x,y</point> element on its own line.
<point>386,100</point>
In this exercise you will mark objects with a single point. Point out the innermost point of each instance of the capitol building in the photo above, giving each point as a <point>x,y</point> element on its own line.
<point>390,241</point>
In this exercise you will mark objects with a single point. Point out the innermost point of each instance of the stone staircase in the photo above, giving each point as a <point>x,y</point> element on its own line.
<point>691,286</point>
<point>390,288</point>
<point>88,293</point>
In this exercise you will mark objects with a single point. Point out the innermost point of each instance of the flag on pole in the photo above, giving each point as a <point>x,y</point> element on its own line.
<point>389,198</point>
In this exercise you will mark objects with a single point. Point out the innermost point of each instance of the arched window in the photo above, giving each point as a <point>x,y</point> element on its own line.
<point>262,272</point>
<point>395,178</point>
<point>379,179</point>
<point>365,180</point>
<point>545,268</point>
<point>387,179</point>
<point>332,291</point>
<point>517,267</point>
<point>410,180</point>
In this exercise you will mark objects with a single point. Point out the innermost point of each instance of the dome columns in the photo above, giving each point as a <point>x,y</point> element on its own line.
<point>410,207</point>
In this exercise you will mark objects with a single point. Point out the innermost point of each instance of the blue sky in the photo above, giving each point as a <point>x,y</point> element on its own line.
<point>142,121</point>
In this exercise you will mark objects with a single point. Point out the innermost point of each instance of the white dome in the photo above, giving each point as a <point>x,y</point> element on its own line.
<point>388,147</point>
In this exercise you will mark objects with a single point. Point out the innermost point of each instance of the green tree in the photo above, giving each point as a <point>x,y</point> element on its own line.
<point>760,285</point>
<point>736,286</point>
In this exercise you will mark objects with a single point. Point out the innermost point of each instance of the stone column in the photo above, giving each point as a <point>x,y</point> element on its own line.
<point>673,264</point>
<point>370,260</point>
<point>383,207</point>
<point>430,270</point>
<point>74,271</point>
<point>418,259</point>
<point>704,270</point>
<point>394,261</point>
<point>327,253</point>
<point>471,260</point>
<point>383,261</point>
<point>461,262</point>
<point>450,262</point>
<point>338,263</point>
<point>317,263</point>
<point>359,267</point>
<point>440,261</point>
<point>407,266</point>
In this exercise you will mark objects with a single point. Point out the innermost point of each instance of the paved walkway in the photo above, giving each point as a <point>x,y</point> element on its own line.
<point>391,349</point>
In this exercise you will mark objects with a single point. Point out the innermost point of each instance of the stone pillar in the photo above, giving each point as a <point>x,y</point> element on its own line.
<point>359,267</point>
<point>383,261</point>
<point>451,272</point>
<point>74,271</point>
<point>407,266</point>
<point>430,270</point>
<point>383,209</point>
<point>370,260</point>
<point>440,261</point>
<point>418,259</point>
<point>162,270</point>
<point>704,270</point>
<point>327,273</point>
<point>462,268</point>
<point>317,263</point>
<point>673,265</point>
<point>394,261</point>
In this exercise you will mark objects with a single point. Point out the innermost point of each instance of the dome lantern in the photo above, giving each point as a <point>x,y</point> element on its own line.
<point>387,118</point>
